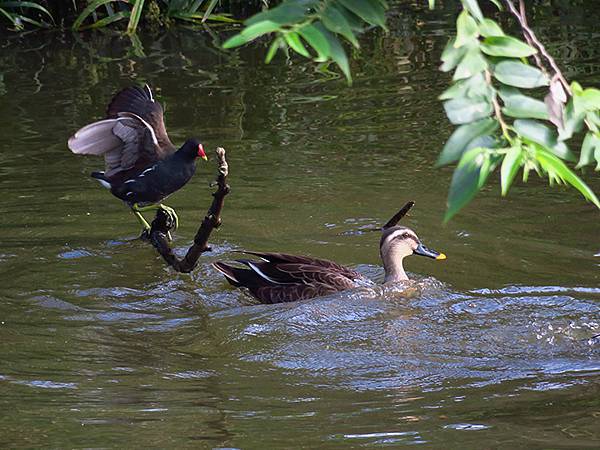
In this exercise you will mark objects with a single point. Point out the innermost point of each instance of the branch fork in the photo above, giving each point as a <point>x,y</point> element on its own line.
<point>163,223</point>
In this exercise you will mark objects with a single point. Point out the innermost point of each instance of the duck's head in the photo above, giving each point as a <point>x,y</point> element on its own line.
<point>398,242</point>
<point>193,149</point>
<point>401,241</point>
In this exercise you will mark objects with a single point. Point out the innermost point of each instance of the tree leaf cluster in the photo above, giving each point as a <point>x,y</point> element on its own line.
<point>503,121</point>
<point>317,26</point>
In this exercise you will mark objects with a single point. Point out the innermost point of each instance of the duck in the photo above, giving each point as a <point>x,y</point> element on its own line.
<point>142,166</point>
<point>280,277</point>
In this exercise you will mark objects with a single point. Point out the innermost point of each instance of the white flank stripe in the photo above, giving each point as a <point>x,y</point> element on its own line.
<point>149,92</point>
<point>262,274</point>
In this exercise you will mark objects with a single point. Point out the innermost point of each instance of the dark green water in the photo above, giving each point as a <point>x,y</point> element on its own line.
<point>102,346</point>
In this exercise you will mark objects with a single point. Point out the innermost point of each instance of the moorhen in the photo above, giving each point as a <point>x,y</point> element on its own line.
<point>143,167</point>
<point>279,277</point>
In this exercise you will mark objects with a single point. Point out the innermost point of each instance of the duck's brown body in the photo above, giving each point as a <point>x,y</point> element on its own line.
<point>279,277</point>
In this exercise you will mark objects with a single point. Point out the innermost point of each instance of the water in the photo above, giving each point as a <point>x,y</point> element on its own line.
<point>103,346</point>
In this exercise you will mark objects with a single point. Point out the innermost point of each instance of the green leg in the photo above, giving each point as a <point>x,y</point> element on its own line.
<point>137,210</point>
<point>140,218</point>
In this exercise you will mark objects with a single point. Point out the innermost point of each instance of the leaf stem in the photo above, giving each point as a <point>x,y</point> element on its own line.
<point>497,108</point>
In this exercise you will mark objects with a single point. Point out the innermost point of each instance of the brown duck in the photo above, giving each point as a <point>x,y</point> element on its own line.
<point>278,277</point>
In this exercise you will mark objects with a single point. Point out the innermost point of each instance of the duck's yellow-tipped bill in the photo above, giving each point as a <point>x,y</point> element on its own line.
<point>424,251</point>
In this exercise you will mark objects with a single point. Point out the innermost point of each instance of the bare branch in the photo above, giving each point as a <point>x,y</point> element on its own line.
<point>163,223</point>
<point>533,41</point>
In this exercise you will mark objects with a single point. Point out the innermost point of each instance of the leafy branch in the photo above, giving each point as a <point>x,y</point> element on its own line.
<point>491,70</point>
<point>317,23</point>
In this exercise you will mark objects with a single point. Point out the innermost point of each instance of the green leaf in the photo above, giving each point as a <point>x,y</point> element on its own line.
<point>467,180</point>
<point>466,29</point>
<point>317,40</point>
<point>466,110</point>
<point>335,21</point>
<point>471,64</point>
<point>469,87</point>
<point>510,166</point>
<point>209,9</point>
<point>136,15</point>
<point>591,143</point>
<point>521,106</point>
<point>586,100</point>
<point>10,17</point>
<point>107,20</point>
<point>572,123</point>
<point>294,41</point>
<point>371,12</point>
<point>506,46</point>
<point>473,7</point>
<point>87,11</point>
<point>24,4</point>
<point>489,28</point>
<point>336,51</point>
<point>287,13</point>
<point>462,136</point>
<point>536,132</point>
<point>273,49</point>
<point>520,75</point>
<point>252,32</point>
<point>558,170</point>
<point>451,55</point>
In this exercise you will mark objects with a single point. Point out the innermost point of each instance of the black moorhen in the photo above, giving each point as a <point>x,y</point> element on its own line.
<point>278,277</point>
<point>143,167</point>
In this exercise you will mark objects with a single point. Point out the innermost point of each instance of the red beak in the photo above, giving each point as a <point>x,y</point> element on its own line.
<point>201,153</point>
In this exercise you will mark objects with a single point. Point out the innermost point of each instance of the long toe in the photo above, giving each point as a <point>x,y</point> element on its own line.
<point>173,215</point>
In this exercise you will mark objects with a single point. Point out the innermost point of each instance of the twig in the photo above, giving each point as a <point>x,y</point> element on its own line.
<point>535,43</point>
<point>497,109</point>
<point>162,223</point>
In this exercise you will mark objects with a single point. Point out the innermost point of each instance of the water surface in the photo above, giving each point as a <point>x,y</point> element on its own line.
<point>103,346</point>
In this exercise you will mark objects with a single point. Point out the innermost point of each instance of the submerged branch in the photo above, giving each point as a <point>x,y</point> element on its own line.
<point>163,223</point>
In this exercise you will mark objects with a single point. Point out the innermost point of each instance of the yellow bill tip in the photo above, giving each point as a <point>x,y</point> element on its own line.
<point>205,158</point>
<point>440,256</point>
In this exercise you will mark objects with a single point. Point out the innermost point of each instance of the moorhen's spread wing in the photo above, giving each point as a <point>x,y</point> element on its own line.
<point>140,102</point>
<point>280,277</point>
<point>132,138</point>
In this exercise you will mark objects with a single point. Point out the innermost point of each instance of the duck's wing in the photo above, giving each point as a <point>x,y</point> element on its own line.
<point>140,101</point>
<point>132,137</point>
<point>284,258</point>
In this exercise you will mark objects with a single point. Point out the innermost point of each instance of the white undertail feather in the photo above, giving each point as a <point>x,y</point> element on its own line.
<point>105,184</point>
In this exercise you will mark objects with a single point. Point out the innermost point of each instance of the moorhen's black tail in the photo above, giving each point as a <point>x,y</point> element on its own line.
<point>99,176</point>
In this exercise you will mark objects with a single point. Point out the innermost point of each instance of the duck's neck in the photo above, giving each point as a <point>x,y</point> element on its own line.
<point>392,264</point>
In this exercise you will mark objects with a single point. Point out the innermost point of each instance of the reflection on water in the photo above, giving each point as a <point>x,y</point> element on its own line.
<point>103,346</point>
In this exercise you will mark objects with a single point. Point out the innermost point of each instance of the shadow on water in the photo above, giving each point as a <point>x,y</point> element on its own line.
<point>103,346</point>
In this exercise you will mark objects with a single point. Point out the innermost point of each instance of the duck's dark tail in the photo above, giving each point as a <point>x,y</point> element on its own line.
<point>237,276</point>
